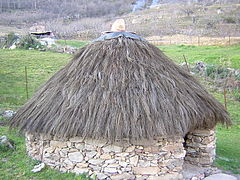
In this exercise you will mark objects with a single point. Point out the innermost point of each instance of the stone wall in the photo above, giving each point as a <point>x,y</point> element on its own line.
<point>201,147</point>
<point>161,159</point>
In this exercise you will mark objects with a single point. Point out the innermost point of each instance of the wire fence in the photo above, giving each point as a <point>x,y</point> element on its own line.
<point>193,40</point>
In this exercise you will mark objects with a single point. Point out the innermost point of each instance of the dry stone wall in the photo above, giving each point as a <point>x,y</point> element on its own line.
<point>161,159</point>
<point>201,147</point>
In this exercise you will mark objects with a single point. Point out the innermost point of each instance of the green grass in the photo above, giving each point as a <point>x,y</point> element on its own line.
<point>228,140</point>
<point>42,65</point>
<point>15,164</point>
<point>228,149</point>
<point>227,56</point>
<point>73,43</point>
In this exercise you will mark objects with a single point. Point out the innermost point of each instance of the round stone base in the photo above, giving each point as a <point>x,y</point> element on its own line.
<point>160,159</point>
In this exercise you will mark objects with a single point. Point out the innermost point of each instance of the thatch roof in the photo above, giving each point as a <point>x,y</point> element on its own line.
<point>116,89</point>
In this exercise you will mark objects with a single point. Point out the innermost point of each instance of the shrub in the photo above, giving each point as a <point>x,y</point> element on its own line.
<point>210,70</point>
<point>11,38</point>
<point>229,20</point>
<point>237,76</point>
<point>216,71</point>
<point>236,94</point>
<point>29,42</point>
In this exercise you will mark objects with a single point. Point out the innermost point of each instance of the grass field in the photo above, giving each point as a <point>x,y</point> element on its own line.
<point>17,165</point>
<point>217,55</point>
<point>226,56</point>
<point>72,43</point>
<point>42,65</point>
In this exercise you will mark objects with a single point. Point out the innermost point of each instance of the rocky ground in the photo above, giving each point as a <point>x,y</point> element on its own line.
<point>192,172</point>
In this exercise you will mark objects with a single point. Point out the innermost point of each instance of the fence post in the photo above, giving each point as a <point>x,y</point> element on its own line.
<point>26,81</point>
<point>184,57</point>
<point>198,40</point>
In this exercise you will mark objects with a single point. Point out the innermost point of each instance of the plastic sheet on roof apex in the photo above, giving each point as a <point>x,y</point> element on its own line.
<point>112,35</point>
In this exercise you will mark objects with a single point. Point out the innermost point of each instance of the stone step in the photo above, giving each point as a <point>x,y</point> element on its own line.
<point>220,176</point>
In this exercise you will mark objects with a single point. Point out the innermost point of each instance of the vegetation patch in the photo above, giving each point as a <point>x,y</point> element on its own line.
<point>15,164</point>
<point>72,43</point>
<point>227,56</point>
<point>40,67</point>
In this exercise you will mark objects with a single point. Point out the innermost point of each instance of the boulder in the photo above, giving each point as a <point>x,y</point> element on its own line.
<point>6,143</point>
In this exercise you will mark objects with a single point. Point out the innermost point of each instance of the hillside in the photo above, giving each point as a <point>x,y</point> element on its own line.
<point>83,19</point>
<point>188,19</point>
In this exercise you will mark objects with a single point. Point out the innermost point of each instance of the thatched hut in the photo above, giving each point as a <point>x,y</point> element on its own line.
<point>121,109</point>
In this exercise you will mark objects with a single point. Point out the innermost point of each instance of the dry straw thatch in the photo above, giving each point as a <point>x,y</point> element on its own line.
<point>117,89</point>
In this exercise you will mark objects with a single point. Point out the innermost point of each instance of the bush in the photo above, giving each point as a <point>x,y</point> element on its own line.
<point>236,94</point>
<point>229,20</point>
<point>237,76</point>
<point>11,38</point>
<point>216,71</point>
<point>29,42</point>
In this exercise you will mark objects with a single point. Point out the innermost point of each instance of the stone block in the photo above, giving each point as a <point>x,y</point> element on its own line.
<point>208,140</point>
<point>152,149</point>
<point>154,163</point>
<point>80,146</point>
<point>124,154</point>
<point>179,155</point>
<point>203,132</point>
<point>196,139</point>
<point>172,148</point>
<point>110,170</point>
<point>123,163</point>
<point>75,157</point>
<point>112,148</point>
<point>101,176</point>
<point>69,163</point>
<point>96,161</point>
<point>142,163</point>
<point>123,176</point>
<point>90,155</point>
<point>82,165</point>
<point>110,161</point>
<point>93,142</point>
<point>192,159</point>
<point>29,137</point>
<point>90,147</point>
<point>49,150</point>
<point>71,150</point>
<point>146,170</point>
<point>120,158</point>
<point>63,153</point>
<point>105,156</point>
<point>134,160</point>
<point>54,157</point>
<point>95,167</point>
<point>69,144</point>
<point>169,176</point>
<point>140,177</point>
<point>205,161</point>
<point>115,165</point>
<point>78,170</point>
<point>130,149</point>
<point>76,139</point>
<point>59,144</point>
